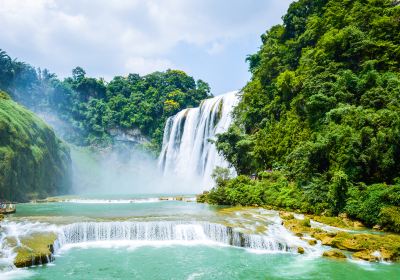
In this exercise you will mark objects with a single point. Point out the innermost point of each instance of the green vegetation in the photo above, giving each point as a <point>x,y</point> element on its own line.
<point>92,107</point>
<point>33,161</point>
<point>320,119</point>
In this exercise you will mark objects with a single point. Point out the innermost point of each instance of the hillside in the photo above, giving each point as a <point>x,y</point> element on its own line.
<point>319,121</point>
<point>33,161</point>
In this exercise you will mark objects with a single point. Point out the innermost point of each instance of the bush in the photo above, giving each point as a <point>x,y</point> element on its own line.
<point>366,203</point>
<point>389,218</point>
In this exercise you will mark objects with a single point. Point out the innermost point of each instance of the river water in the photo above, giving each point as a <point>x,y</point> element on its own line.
<point>143,237</point>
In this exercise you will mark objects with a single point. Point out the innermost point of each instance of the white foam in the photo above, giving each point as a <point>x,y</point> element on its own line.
<point>16,274</point>
<point>133,244</point>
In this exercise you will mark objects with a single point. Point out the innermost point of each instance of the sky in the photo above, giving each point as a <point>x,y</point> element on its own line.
<point>208,39</point>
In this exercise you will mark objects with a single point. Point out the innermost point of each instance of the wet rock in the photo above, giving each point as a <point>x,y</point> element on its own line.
<point>335,254</point>
<point>376,256</point>
<point>312,242</point>
<point>300,250</point>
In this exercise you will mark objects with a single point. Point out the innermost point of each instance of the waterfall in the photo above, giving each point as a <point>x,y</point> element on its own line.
<point>276,239</point>
<point>187,151</point>
<point>174,231</point>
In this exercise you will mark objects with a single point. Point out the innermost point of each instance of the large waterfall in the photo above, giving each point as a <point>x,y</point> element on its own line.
<point>187,150</point>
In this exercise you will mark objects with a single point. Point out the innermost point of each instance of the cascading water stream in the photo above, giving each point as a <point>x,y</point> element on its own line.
<point>187,150</point>
<point>275,239</point>
<point>179,232</point>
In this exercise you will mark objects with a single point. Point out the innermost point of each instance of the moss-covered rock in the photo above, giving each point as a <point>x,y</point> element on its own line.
<point>300,227</point>
<point>34,163</point>
<point>300,250</point>
<point>286,215</point>
<point>366,246</point>
<point>340,222</point>
<point>312,242</point>
<point>34,250</point>
<point>335,254</point>
<point>372,256</point>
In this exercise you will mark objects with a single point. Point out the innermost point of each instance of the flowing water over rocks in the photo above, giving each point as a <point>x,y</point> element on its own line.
<point>254,234</point>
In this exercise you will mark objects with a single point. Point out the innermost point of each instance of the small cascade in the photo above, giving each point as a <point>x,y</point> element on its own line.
<point>276,239</point>
<point>11,234</point>
<point>7,254</point>
<point>187,150</point>
<point>202,232</point>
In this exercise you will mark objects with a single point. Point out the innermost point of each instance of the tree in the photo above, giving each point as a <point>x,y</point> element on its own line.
<point>78,74</point>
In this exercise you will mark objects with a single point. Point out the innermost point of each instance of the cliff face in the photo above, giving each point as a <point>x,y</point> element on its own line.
<point>34,163</point>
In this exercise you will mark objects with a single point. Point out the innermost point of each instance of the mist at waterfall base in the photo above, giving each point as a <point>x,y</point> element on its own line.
<point>124,169</point>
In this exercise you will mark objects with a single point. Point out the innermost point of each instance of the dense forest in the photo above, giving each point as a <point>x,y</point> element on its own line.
<point>34,163</point>
<point>92,107</point>
<point>319,122</point>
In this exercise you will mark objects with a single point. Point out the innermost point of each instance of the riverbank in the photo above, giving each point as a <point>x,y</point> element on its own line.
<point>376,206</point>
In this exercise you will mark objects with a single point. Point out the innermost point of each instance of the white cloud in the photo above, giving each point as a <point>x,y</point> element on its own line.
<point>215,48</point>
<point>108,37</point>
<point>143,66</point>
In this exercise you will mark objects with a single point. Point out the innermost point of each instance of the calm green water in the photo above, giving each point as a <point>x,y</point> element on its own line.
<point>85,211</point>
<point>165,260</point>
<point>202,262</point>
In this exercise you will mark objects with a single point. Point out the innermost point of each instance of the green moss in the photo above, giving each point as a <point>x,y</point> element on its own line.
<point>363,245</point>
<point>306,222</point>
<point>340,222</point>
<point>35,249</point>
<point>286,215</point>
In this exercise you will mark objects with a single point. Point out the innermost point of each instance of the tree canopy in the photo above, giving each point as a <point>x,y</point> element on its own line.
<point>322,105</point>
<point>93,106</point>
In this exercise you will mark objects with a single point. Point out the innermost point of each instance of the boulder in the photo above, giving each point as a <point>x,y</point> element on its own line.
<point>300,250</point>
<point>335,254</point>
<point>312,242</point>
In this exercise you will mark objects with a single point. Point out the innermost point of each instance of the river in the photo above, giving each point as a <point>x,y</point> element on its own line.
<point>143,237</point>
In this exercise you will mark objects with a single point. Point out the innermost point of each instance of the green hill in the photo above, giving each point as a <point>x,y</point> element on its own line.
<point>33,161</point>
<point>321,114</point>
